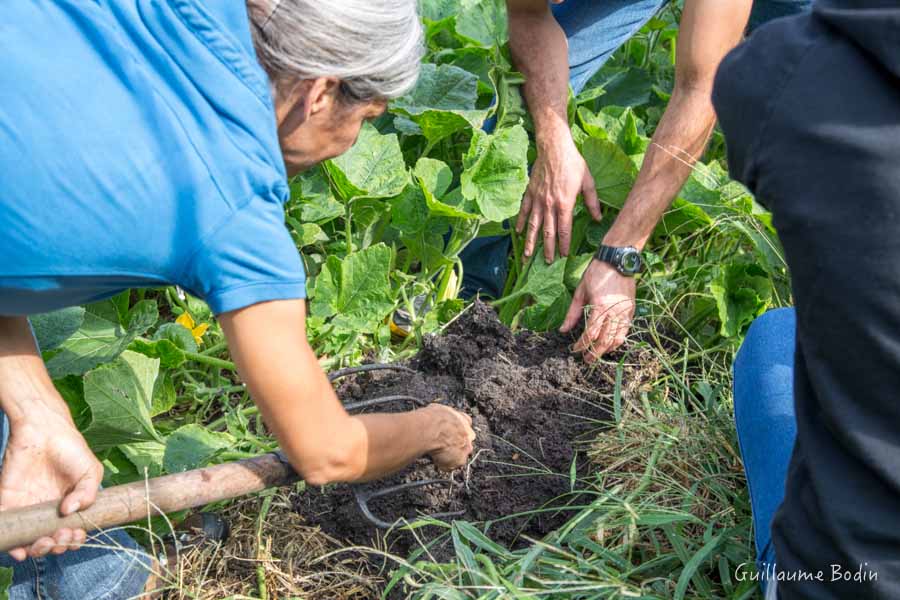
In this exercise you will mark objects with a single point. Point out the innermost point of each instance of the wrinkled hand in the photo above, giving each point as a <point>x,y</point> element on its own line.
<point>557,177</point>
<point>610,296</point>
<point>455,436</point>
<point>49,460</point>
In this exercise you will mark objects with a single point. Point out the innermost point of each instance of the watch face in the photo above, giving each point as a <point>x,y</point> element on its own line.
<point>630,261</point>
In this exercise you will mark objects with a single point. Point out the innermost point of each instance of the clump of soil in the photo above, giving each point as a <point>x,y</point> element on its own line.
<point>533,404</point>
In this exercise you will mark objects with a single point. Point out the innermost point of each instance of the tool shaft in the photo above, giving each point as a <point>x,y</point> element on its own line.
<point>124,504</point>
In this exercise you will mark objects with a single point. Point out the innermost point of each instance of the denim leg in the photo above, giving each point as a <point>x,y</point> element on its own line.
<point>116,569</point>
<point>595,30</point>
<point>485,266</point>
<point>764,416</point>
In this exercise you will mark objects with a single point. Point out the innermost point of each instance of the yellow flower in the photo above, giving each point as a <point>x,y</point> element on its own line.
<point>186,321</point>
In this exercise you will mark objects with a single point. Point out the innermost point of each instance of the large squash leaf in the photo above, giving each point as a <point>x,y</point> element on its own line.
<point>496,172</point>
<point>193,446</point>
<point>372,168</point>
<point>612,170</point>
<point>443,101</point>
<point>99,340</point>
<point>120,396</point>
<point>355,293</point>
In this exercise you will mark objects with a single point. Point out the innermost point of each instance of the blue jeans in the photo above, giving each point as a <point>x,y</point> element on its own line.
<point>594,29</point>
<point>764,417</point>
<point>118,570</point>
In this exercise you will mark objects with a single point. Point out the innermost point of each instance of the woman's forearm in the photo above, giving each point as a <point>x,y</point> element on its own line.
<point>26,390</point>
<point>297,402</point>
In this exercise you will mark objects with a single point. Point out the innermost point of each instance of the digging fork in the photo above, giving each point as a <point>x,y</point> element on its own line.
<point>364,496</point>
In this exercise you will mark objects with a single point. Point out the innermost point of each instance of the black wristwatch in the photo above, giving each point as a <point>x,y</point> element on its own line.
<point>627,260</point>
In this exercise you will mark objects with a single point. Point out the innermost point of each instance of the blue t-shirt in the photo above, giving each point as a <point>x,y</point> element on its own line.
<point>138,147</point>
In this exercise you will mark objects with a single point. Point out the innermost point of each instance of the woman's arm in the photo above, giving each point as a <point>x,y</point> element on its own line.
<point>324,443</point>
<point>46,457</point>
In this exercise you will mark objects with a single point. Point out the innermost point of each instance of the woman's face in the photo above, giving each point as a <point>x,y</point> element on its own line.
<point>316,122</point>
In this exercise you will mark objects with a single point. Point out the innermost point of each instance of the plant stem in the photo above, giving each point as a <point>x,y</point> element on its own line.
<point>215,348</point>
<point>260,565</point>
<point>210,360</point>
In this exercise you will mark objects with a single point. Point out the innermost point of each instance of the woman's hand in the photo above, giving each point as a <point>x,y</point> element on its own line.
<point>47,460</point>
<point>454,434</point>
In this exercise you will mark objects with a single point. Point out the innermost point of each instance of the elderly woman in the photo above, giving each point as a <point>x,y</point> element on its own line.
<point>148,143</point>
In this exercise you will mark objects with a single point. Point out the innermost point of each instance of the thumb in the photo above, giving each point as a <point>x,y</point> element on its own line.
<point>589,192</point>
<point>576,311</point>
<point>82,495</point>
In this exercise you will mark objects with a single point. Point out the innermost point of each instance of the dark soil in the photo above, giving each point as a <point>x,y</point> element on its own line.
<point>533,405</point>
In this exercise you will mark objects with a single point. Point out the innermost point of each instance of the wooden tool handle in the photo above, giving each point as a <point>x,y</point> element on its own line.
<point>132,502</point>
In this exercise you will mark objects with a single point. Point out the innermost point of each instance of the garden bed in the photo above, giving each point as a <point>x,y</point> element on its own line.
<point>534,406</point>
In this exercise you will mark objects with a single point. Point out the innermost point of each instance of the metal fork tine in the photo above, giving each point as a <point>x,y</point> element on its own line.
<point>378,401</point>
<point>364,496</point>
<point>366,368</point>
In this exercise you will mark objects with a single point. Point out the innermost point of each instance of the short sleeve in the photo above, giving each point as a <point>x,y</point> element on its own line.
<point>248,259</point>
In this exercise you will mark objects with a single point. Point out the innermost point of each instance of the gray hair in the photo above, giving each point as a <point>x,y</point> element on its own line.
<point>374,47</point>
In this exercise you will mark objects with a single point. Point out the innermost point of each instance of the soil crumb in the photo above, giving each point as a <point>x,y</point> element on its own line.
<point>534,407</point>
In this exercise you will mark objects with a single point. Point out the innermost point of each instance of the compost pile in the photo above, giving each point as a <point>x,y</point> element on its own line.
<point>533,405</point>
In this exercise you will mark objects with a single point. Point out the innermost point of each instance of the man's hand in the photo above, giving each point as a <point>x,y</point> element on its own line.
<point>48,460</point>
<point>610,296</point>
<point>558,176</point>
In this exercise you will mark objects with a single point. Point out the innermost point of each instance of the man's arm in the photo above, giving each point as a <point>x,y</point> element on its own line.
<point>324,443</point>
<point>559,173</point>
<point>709,29</point>
<point>46,457</point>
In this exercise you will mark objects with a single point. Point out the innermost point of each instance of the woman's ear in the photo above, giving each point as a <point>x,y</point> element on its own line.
<point>305,99</point>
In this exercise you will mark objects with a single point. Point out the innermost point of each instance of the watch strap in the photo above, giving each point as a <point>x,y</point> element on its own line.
<point>608,254</point>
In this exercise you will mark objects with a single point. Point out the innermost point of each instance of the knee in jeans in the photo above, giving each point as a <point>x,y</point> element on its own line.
<point>768,330</point>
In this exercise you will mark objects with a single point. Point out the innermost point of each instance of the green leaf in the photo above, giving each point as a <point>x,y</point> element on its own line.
<point>742,292</point>
<point>435,175</point>
<point>496,175</point>
<point>53,328</point>
<point>117,469</point>
<point>442,102</point>
<point>178,334</point>
<point>120,396</point>
<point>483,21</point>
<point>409,210</point>
<point>6,579</point>
<point>575,268</point>
<point>317,202</point>
<point>616,124</point>
<point>544,282</point>
<point>71,388</point>
<point>145,456</point>
<point>164,395</point>
<point>435,10</point>
<point>612,170</point>
<point>692,566</point>
<point>356,292</point>
<point>309,234</point>
<point>193,446</point>
<point>99,340</point>
<point>170,356</point>
<point>372,168</point>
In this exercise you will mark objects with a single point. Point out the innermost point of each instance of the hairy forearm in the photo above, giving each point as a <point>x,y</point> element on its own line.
<point>540,53</point>
<point>26,390</point>
<point>680,139</point>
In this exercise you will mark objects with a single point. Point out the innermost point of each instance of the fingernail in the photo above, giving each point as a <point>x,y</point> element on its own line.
<point>75,508</point>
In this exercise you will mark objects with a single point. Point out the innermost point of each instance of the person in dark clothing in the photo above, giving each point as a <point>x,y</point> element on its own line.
<point>810,107</point>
